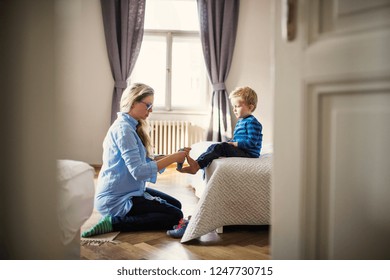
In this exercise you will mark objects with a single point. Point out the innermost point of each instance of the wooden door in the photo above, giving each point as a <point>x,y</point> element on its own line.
<point>331,180</point>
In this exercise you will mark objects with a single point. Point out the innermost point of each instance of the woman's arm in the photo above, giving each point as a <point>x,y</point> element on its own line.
<point>158,157</point>
<point>165,161</point>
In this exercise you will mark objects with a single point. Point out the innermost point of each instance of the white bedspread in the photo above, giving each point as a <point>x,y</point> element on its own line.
<point>237,193</point>
<point>76,197</point>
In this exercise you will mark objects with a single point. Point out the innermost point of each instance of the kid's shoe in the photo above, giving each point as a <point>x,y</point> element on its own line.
<point>182,221</point>
<point>178,230</point>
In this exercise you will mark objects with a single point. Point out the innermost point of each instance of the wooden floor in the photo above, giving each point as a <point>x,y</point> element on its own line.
<point>237,242</point>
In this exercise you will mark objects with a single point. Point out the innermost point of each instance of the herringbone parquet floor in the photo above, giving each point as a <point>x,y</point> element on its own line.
<point>237,243</point>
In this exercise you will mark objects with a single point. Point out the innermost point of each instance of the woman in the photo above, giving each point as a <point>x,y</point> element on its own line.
<point>122,198</point>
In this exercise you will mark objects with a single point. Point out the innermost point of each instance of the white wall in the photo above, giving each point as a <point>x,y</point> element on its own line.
<point>253,59</point>
<point>84,81</point>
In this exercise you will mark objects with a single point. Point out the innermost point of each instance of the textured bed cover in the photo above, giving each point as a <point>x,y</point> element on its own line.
<point>237,193</point>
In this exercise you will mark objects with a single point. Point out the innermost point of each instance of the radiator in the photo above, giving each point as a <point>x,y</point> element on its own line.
<point>169,136</point>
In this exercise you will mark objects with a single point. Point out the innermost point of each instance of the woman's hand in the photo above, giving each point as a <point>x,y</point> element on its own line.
<point>180,163</point>
<point>186,149</point>
<point>181,155</point>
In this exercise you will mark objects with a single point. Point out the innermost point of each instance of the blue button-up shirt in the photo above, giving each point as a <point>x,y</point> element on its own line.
<point>125,169</point>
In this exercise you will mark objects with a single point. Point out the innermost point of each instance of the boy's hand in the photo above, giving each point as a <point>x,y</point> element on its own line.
<point>233,144</point>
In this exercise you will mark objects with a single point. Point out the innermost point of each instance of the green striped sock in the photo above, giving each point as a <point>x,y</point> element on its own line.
<point>103,226</point>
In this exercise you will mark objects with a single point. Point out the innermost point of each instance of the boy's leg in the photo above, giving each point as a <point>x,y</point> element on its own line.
<point>233,151</point>
<point>192,169</point>
<point>215,151</point>
<point>212,152</point>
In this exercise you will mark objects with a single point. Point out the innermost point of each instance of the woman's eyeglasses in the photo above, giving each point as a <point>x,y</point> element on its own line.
<point>149,106</point>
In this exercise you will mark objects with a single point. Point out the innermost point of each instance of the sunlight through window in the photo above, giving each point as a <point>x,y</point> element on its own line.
<point>171,58</point>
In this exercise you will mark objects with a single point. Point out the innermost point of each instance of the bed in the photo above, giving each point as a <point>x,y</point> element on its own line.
<point>76,196</point>
<point>232,191</point>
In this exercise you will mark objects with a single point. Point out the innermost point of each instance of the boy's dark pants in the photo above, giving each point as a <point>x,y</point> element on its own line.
<point>215,151</point>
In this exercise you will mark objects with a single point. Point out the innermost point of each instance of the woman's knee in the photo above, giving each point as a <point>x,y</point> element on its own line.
<point>178,204</point>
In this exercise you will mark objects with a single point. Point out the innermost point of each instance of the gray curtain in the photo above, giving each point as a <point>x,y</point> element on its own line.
<point>123,28</point>
<point>218,28</point>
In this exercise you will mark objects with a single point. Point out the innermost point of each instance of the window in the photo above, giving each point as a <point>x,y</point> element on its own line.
<point>171,59</point>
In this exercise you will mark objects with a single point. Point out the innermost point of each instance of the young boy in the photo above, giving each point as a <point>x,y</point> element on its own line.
<point>247,136</point>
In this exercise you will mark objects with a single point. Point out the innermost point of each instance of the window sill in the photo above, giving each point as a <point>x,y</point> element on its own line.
<point>202,113</point>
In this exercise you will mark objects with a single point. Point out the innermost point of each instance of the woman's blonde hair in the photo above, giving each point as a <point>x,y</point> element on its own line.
<point>135,93</point>
<point>247,94</point>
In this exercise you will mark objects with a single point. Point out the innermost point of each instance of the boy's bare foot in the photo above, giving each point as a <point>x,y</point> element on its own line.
<point>193,168</point>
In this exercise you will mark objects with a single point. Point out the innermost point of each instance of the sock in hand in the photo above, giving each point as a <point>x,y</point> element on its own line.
<point>103,226</point>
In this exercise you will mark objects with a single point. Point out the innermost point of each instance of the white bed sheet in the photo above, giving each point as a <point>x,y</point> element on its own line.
<point>76,197</point>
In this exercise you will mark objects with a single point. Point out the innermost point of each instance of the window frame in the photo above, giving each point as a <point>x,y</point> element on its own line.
<point>169,34</point>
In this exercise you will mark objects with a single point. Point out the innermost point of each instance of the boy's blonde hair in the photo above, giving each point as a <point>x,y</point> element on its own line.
<point>247,94</point>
